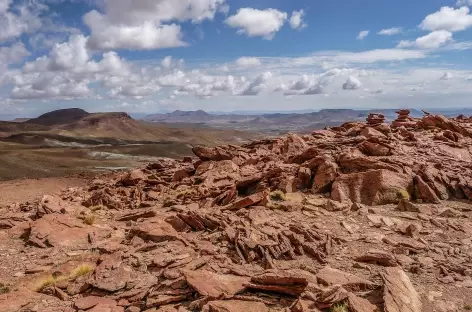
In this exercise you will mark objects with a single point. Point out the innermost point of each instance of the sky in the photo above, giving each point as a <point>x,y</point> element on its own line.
<point>149,56</point>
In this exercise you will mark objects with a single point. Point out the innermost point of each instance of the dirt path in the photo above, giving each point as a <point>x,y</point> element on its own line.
<point>31,189</point>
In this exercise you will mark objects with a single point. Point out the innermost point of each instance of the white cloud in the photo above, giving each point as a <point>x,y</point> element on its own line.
<point>460,3</point>
<point>23,19</point>
<point>296,20</point>
<point>257,23</point>
<point>304,82</point>
<point>432,40</point>
<point>12,54</point>
<point>447,76</point>
<point>144,36</point>
<point>144,27</point>
<point>449,19</point>
<point>362,35</point>
<point>391,31</point>
<point>257,85</point>
<point>352,83</point>
<point>248,61</point>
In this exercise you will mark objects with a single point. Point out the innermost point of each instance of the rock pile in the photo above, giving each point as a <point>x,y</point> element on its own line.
<point>404,119</point>
<point>375,119</point>
<point>351,218</point>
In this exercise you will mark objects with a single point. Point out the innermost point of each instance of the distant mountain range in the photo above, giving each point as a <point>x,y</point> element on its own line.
<point>113,128</point>
<point>276,122</point>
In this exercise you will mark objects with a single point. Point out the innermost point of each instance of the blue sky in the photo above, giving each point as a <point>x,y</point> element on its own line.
<point>147,56</point>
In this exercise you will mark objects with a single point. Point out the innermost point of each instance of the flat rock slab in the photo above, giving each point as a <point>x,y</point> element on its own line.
<point>235,306</point>
<point>214,285</point>
<point>329,276</point>
<point>399,293</point>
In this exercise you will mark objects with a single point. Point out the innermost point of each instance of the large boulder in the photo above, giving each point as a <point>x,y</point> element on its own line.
<point>374,187</point>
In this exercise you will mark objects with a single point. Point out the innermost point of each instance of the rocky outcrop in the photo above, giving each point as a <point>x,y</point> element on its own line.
<point>349,217</point>
<point>374,187</point>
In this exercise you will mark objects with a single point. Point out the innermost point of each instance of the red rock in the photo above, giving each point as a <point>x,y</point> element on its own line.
<point>329,277</point>
<point>89,302</point>
<point>64,231</point>
<point>374,149</point>
<point>378,257</point>
<point>214,285</point>
<point>304,175</point>
<point>425,191</point>
<point>374,187</point>
<point>306,155</point>
<point>369,132</point>
<point>235,306</point>
<point>211,153</point>
<point>180,174</point>
<point>293,144</point>
<point>133,177</point>
<point>111,274</point>
<point>325,176</point>
<point>357,304</point>
<point>252,200</point>
<point>399,293</point>
<point>156,230</point>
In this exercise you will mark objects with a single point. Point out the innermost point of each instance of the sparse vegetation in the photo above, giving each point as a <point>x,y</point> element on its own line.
<point>46,282</point>
<point>468,307</point>
<point>51,280</point>
<point>97,208</point>
<point>339,307</point>
<point>278,195</point>
<point>403,194</point>
<point>81,270</point>
<point>4,289</point>
<point>89,218</point>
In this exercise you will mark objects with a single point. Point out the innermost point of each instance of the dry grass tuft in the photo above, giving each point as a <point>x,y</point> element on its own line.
<point>89,219</point>
<point>48,281</point>
<point>97,208</point>
<point>4,289</point>
<point>81,270</point>
<point>340,307</point>
<point>278,195</point>
<point>403,194</point>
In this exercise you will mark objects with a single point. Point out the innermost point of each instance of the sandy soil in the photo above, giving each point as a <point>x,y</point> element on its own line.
<point>31,189</point>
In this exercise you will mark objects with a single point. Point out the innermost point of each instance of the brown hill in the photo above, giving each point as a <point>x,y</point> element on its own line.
<point>77,123</point>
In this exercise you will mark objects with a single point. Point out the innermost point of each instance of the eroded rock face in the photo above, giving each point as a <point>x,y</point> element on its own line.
<point>399,293</point>
<point>374,187</point>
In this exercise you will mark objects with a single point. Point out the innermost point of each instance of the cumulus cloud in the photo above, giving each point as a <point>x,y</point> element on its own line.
<point>144,36</point>
<point>12,54</point>
<point>304,82</point>
<point>248,61</point>
<point>449,19</point>
<point>352,83</point>
<point>145,24</point>
<point>257,23</point>
<point>362,35</point>
<point>391,31</point>
<point>296,20</point>
<point>257,85</point>
<point>23,18</point>
<point>432,40</point>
